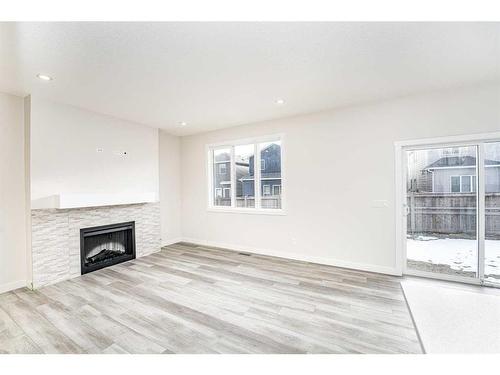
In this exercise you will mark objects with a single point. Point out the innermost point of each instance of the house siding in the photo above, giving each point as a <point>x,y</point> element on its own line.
<point>442,178</point>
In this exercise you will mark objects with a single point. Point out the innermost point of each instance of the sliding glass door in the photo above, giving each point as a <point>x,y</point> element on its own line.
<point>442,212</point>
<point>452,212</point>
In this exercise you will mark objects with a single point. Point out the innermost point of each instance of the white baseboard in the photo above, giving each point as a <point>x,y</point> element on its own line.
<point>171,241</point>
<point>305,258</point>
<point>12,285</point>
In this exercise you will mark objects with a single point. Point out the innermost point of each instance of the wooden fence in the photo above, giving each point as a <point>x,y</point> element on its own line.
<point>273,201</point>
<point>451,213</point>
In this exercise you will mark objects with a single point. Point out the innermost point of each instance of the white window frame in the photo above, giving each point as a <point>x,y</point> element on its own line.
<point>262,164</point>
<point>210,148</point>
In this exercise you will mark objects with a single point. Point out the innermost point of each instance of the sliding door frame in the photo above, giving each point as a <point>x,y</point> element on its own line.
<point>400,149</point>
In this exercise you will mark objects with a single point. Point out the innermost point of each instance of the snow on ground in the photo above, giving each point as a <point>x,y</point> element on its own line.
<point>459,254</point>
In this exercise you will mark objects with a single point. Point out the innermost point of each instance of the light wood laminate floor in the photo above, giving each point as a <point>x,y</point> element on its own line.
<point>193,299</point>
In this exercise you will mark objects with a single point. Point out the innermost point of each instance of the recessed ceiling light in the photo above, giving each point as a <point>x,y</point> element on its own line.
<point>280,101</point>
<point>182,123</point>
<point>44,77</point>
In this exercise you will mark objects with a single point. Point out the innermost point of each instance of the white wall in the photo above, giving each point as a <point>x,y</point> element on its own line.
<point>170,188</point>
<point>64,157</point>
<point>337,163</point>
<point>12,194</point>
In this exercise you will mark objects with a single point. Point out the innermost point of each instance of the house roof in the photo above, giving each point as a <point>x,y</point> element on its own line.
<point>458,161</point>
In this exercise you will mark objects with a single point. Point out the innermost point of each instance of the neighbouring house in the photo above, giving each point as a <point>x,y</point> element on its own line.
<point>457,174</point>
<point>270,172</point>
<point>222,177</point>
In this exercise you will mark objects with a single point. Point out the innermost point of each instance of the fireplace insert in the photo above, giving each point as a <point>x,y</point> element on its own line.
<point>106,245</point>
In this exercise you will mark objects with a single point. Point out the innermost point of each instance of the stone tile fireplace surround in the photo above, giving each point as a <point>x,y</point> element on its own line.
<point>56,236</point>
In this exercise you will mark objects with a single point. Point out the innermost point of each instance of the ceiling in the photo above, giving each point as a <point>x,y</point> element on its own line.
<point>216,75</point>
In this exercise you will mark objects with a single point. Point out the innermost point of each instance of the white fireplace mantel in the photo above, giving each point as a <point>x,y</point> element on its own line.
<point>80,200</point>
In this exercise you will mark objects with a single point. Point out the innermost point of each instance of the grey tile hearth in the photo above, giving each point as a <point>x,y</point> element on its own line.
<point>191,299</point>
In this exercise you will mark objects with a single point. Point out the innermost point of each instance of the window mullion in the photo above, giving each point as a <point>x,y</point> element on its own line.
<point>257,176</point>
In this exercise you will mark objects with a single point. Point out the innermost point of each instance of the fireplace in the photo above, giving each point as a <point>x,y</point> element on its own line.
<point>106,245</point>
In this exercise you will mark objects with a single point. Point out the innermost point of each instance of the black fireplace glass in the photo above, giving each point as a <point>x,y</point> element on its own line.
<point>106,245</point>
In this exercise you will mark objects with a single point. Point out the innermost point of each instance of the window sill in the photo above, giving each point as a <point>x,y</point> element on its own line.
<point>251,211</point>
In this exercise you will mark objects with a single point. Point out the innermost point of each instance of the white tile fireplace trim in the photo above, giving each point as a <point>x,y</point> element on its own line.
<point>78,200</point>
<point>56,236</point>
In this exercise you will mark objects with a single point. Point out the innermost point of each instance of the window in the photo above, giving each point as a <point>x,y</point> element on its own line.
<point>455,184</point>
<point>237,182</point>
<point>463,184</point>
<point>468,184</point>
<point>266,190</point>
<point>222,168</point>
